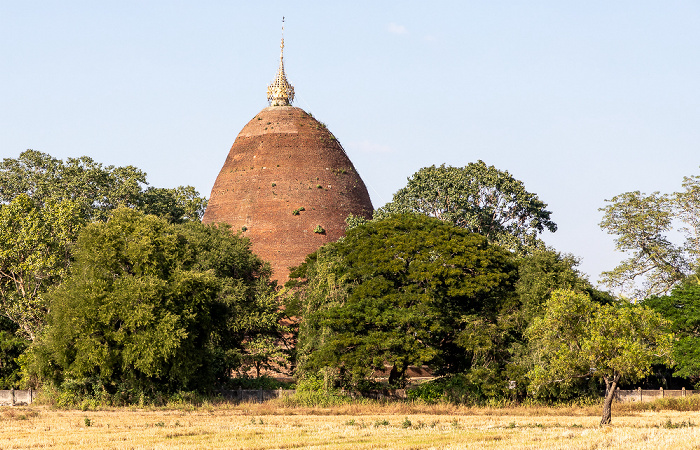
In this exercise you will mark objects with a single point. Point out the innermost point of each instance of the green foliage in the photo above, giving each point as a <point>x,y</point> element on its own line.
<point>317,284</point>
<point>644,225</point>
<point>96,188</point>
<point>407,290</point>
<point>36,242</point>
<point>429,392</point>
<point>682,309</point>
<point>11,347</point>
<point>90,394</point>
<point>312,391</point>
<point>479,198</point>
<point>541,273</point>
<point>178,205</point>
<point>478,386</point>
<point>578,338</point>
<point>262,382</point>
<point>44,202</point>
<point>154,306</point>
<point>353,221</point>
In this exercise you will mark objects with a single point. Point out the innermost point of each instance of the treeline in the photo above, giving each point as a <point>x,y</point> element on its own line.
<point>116,287</point>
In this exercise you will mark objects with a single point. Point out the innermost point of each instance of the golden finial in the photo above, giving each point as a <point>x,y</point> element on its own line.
<point>280,92</point>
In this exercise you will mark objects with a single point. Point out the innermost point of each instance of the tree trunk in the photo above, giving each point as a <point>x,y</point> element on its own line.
<point>610,386</point>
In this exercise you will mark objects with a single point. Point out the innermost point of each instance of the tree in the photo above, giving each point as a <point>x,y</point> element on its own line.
<point>578,338</point>
<point>178,205</point>
<point>545,271</point>
<point>97,188</point>
<point>682,309</point>
<point>479,198</point>
<point>406,290</point>
<point>44,202</point>
<point>154,306</point>
<point>644,226</point>
<point>36,242</point>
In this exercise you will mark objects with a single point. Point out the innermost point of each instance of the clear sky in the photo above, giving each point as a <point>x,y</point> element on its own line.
<point>579,100</point>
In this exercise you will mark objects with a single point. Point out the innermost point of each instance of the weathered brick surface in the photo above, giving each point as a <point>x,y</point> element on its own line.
<point>284,160</point>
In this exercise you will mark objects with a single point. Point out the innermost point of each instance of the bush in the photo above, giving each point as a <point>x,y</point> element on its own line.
<point>319,399</point>
<point>311,392</point>
<point>479,386</point>
<point>90,394</point>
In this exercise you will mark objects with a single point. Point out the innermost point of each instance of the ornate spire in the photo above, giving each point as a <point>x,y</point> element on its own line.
<point>280,92</point>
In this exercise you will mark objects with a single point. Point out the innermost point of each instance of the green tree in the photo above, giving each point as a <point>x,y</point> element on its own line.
<point>544,271</point>
<point>153,306</point>
<point>406,290</point>
<point>44,202</point>
<point>642,223</point>
<point>97,188</point>
<point>178,205</point>
<point>479,198</point>
<point>541,273</point>
<point>645,226</point>
<point>578,338</point>
<point>682,309</point>
<point>36,241</point>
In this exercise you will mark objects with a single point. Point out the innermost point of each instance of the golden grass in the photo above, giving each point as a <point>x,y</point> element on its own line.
<point>390,426</point>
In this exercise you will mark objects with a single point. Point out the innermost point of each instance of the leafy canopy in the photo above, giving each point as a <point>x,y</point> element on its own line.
<point>96,188</point>
<point>406,290</point>
<point>152,305</point>
<point>11,347</point>
<point>682,309</point>
<point>479,198</point>
<point>645,226</point>
<point>578,338</point>
<point>44,202</point>
<point>36,242</point>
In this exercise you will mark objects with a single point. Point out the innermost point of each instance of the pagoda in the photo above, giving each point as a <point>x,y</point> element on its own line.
<point>287,183</point>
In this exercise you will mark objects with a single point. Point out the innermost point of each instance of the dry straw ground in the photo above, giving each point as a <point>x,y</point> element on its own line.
<point>403,426</point>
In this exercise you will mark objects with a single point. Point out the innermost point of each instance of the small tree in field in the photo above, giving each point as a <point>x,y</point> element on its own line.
<point>578,338</point>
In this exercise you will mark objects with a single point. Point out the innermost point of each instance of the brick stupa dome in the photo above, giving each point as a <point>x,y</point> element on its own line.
<point>288,184</point>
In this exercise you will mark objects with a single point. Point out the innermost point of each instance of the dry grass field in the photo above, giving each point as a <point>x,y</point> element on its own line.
<point>392,426</point>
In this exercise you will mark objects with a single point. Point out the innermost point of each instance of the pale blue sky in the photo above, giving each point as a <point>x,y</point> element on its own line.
<point>579,100</point>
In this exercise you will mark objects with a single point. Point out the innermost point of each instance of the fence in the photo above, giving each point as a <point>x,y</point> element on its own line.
<point>649,395</point>
<point>17,397</point>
